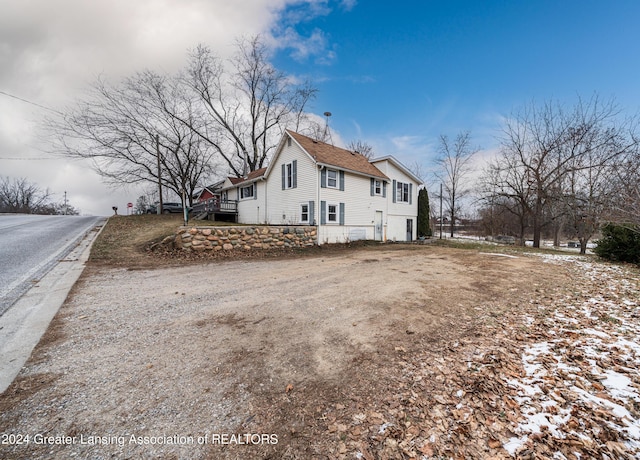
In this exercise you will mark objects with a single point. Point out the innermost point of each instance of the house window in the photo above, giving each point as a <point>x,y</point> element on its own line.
<point>402,192</point>
<point>377,187</point>
<point>332,213</point>
<point>246,192</point>
<point>304,212</point>
<point>288,175</point>
<point>332,178</point>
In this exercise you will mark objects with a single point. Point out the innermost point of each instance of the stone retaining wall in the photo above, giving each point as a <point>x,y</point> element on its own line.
<point>244,237</point>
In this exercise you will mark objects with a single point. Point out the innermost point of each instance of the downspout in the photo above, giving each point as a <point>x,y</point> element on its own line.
<point>318,210</point>
<point>266,186</point>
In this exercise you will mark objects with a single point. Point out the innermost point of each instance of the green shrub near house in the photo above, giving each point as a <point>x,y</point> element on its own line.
<point>424,229</point>
<point>620,243</point>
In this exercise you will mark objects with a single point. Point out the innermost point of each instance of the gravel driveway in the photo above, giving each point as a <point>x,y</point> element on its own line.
<point>244,359</point>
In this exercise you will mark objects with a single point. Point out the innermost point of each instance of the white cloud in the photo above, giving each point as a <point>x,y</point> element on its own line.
<point>51,50</point>
<point>348,5</point>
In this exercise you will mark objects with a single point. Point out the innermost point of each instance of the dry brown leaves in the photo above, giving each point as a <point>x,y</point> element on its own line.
<point>559,379</point>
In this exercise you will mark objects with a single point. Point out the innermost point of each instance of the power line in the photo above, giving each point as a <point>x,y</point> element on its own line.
<point>21,159</point>
<point>32,103</point>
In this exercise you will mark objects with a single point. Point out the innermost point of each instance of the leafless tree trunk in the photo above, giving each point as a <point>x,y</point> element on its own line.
<point>505,187</point>
<point>248,109</point>
<point>454,166</point>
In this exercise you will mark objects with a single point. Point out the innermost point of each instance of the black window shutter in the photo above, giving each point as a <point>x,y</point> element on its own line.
<point>342,180</point>
<point>341,213</point>
<point>294,173</point>
<point>393,191</point>
<point>323,178</point>
<point>323,212</point>
<point>312,219</point>
<point>284,176</point>
<point>373,186</point>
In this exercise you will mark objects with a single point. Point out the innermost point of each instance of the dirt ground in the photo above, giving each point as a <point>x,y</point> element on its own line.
<point>352,354</point>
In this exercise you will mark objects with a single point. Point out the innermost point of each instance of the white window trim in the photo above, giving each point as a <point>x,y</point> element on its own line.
<point>253,191</point>
<point>337,214</point>
<point>399,196</point>
<point>377,187</point>
<point>337,185</point>
<point>288,175</point>
<point>303,221</point>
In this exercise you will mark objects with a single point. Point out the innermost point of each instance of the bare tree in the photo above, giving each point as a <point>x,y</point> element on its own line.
<point>247,109</point>
<point>22,196</point>
<point>543,145</point>
<point>454,163</point>
<point>361,147</point>
<point>131,134</point>
<point>585,198</point>
<point>624,203</point>
<point>506,192</point>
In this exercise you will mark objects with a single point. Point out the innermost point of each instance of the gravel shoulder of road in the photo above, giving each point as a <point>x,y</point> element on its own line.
<point>22,326</point>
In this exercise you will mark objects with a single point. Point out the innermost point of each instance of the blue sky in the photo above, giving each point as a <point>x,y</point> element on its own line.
<point>393,74</point>
<point>415,69</point>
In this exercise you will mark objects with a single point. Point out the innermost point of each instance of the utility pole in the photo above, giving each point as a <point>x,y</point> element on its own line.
<point>159,209</point>
<point>441,210</point>
<point>65,202</point>
<point>185,211</point>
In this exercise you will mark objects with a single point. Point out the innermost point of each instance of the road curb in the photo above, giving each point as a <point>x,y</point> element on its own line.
<point>22,325</point>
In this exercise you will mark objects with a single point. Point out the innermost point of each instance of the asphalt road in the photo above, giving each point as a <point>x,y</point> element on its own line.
<point>31,245</point>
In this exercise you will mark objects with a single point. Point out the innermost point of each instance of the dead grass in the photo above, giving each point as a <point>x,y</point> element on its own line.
<point>131,242</point>
<point>124,239</point>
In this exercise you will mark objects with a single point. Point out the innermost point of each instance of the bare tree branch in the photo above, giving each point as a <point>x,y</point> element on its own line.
<point>454,163</point>
<point>247,110</point>
<point>126,130</point>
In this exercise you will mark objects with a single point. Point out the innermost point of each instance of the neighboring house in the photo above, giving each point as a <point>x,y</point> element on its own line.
<point>208,192</point>
<point>344,194</point>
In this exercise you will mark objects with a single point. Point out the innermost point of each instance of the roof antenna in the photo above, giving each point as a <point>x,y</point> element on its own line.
<point>327,131</point>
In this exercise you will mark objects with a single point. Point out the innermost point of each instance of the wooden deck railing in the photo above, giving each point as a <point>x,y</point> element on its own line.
<point>215,205</point>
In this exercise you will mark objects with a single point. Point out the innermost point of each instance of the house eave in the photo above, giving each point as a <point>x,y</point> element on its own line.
<point>359,173</point>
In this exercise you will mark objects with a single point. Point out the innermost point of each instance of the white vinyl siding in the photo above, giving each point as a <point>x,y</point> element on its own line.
<point>251,208</point>
<point>399,211</point>
<point>283,205</point>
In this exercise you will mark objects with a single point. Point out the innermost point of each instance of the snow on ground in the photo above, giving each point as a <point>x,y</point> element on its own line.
<point>588,364</point>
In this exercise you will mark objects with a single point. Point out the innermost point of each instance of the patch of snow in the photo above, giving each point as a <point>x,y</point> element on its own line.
<point>498,254</point>
<point>619,385</point>
<point>384,427</point>
<point>595,332</point>
<point>632,425</point>
<point>513,444</point>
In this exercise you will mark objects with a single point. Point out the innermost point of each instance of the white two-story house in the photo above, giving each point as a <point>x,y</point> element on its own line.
<point>342,193</point>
